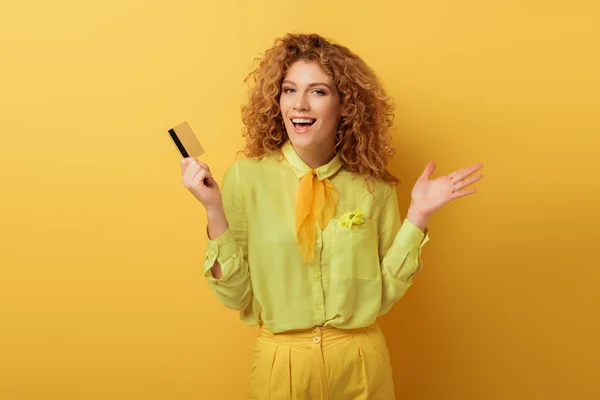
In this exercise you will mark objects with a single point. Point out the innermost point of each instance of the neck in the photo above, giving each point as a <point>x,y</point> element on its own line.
<point>316,158</point>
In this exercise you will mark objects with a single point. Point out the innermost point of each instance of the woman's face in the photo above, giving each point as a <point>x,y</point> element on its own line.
<point>311,108</point>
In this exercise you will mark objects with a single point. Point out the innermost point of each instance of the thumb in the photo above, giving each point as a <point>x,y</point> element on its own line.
<point>429,168</point>
<point>185,163</point>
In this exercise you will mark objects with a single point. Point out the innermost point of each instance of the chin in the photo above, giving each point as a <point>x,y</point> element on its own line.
<point>304,141</point>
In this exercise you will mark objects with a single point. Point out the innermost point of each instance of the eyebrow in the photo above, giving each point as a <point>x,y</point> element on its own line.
<point>310,85</point>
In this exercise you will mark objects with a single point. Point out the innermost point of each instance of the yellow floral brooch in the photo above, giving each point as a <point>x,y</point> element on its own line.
<point>352,218</point>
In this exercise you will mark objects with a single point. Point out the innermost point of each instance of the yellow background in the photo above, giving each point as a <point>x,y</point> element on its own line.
<point>101,292</point>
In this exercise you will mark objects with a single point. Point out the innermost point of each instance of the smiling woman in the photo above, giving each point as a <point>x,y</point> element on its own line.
<point>307,76</point>
<point>304,248</point>
<point>311,110</point>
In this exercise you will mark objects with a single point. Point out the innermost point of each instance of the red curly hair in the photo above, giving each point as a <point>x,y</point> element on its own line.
<point>363,136</point>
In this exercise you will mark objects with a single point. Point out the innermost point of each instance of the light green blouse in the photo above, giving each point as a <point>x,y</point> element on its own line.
<point>358,273</point>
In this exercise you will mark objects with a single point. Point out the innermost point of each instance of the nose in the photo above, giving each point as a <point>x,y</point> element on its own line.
<point>301,103</point>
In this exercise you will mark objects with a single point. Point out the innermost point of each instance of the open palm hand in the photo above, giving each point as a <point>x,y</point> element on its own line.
<point>430,195</point>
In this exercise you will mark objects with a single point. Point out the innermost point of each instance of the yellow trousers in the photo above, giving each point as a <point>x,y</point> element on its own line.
<point>321,363</point>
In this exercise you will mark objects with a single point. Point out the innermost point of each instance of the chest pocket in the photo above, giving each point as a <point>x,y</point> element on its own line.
<point>355,252</point>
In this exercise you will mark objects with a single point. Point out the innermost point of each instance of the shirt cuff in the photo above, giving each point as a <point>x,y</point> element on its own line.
<point>409,240</point>
<point>411,237</point>
<point>220,249</point>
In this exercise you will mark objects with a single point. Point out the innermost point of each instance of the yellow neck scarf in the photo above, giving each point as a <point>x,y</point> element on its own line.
<point>317,198</point>
<point>317,201</point>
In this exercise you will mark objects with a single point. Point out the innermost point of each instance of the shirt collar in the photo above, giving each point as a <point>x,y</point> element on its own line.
<point>301,168</point>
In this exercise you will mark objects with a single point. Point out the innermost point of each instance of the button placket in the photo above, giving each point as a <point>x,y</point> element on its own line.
<point>316,276</point>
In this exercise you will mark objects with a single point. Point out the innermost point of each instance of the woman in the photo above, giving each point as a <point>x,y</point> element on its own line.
<point>306,238</point>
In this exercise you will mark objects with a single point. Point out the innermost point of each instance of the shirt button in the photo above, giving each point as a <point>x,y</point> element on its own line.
<point>317,340</point>
<point>318,241</point>
<point>317,275</point>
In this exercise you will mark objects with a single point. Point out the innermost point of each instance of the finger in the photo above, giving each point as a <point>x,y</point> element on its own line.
<point>463,193</point>
<point>191,171</point>
<point>429,168</point>
<point>203,165</point>
<point>469,181</point>
<point>189,160</point>
<point>464,172</point>
<point>206,173</point>
<point>201,176</point>
<point>194,161</point>
<point>184,163</point>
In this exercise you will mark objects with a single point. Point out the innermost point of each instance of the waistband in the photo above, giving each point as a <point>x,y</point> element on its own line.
<point>326,333</point>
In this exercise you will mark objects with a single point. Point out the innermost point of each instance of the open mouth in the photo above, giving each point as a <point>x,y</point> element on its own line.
<point>303,123</point>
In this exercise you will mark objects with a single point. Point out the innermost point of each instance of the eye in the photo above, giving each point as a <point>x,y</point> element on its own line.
<point>320,92</point>
<point>287,90</point>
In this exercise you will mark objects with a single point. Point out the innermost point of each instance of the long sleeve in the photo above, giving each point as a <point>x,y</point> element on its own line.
<point>358,272</point>
<point>233,289</point>
<point>400,245</point>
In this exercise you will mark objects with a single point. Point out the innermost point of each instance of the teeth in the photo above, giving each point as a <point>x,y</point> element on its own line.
<point>302,121</point>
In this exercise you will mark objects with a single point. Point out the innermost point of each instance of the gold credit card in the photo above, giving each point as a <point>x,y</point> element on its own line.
<point>186,141</point>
